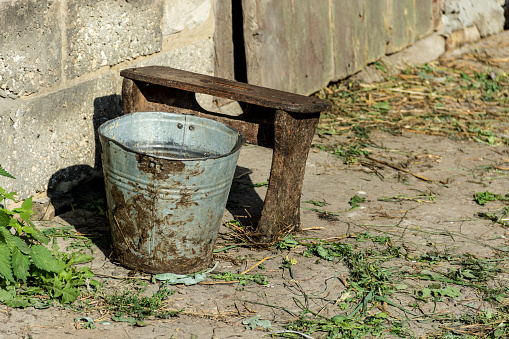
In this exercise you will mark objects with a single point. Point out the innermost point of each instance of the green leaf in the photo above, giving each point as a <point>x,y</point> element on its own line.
<point>468,275</point>
<point>7,195</point>
<point>173,279</point>
<point>6,237</point>
<point>86,322</point>
<point>81,258</point>
<point>189,279</point>
<point>131,321</point>
<point>355,201</point>
<point>25,216</point>
<point>86,273</point>
<point>21,245</point>
<point>5,218</point>
<point>315,202</point>
<point>382,106</point>
<point>69,294</point>
<point>57,287</point>
<point>26,209</point>
<point>44,260</point>
<point>20,264</point>
<point>41,305</point>
<point>450,292</point>
<point>324,253</point>
<point>34,290</point>
<point>6,295</point>
<point>255,322</point>
<point>66,292</point>
<point>5,173</point>
<point>5,262</point>
<point>338,318</point>
<point>39,236</point>
<point>13,241</point>
<point>27,205</point>
<point>65,275</point>
<point>483,197</point>
<point>17,302</point>
<point>365,302</point>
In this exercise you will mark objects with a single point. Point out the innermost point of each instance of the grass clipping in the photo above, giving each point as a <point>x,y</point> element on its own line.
<point>446,98</point>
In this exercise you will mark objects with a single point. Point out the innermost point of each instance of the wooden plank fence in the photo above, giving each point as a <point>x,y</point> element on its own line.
<point>301,45</point>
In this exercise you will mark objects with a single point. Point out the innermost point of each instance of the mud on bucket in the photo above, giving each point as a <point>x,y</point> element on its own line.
<point>167,179</point>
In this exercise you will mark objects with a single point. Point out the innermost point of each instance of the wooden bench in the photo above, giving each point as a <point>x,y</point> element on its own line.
<point>283,121</point>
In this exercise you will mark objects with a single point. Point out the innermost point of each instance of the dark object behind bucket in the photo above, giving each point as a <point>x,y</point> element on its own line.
<point>167,179</point>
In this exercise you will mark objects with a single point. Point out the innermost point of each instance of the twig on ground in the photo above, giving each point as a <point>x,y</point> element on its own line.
<point>398,168</point>
<point>258,263</point>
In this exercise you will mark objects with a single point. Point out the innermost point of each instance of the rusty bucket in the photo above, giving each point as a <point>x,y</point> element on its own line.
<point>167,179</point>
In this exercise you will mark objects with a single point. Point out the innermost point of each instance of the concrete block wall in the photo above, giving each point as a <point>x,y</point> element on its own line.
<point>59,76</point>
<point>487,16</point>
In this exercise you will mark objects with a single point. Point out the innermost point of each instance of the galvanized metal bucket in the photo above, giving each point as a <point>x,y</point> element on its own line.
<point>167,180</point>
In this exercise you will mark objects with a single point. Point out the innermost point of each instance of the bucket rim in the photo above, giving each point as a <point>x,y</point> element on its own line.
<point>240,140</point>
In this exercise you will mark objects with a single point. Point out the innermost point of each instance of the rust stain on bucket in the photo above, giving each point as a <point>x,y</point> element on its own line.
<point>159,168</point>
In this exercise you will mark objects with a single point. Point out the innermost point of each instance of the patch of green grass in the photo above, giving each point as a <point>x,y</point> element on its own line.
<point>351,153</point>
<point>369,284</point>
<point>500,216</point>
<point>425,101</point>
<point>484,197</point>
<point>483,324</point>
<point>373,280</point>
<point>131,304</point>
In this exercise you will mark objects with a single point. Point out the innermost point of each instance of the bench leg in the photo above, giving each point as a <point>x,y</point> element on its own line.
<point>293,134</point>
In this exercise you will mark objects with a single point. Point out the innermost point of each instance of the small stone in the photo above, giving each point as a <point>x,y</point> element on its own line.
<point>43,209</point>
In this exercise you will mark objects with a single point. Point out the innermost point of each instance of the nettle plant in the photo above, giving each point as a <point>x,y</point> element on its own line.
<point>28,268</point>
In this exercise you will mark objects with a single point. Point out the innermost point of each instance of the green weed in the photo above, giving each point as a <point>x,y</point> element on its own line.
<point>128,305</point>
<point>500,216</point>
<point>355,201</point>
<point>371,282</point>
<point>319,203</point>
<point>243,279</point>
<point>380,66</point>
<point>484,197</point>
<point>351,153</point>
<point>287,243</point>
<point>28,268</point>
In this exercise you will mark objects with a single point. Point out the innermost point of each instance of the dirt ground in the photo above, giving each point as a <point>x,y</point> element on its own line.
<point>424,202</point>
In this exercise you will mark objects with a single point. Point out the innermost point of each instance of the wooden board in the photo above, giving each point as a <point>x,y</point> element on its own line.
<point>224,88</point>
<point>288,44</point>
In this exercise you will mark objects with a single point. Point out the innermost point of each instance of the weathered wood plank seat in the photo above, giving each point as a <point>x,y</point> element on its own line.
<point>283,121</point>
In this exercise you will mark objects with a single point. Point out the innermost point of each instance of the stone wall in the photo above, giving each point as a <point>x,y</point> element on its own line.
<point>487,16</point>
<point>60,60</point>
<point>59,76</point>
<point>465,21</point>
